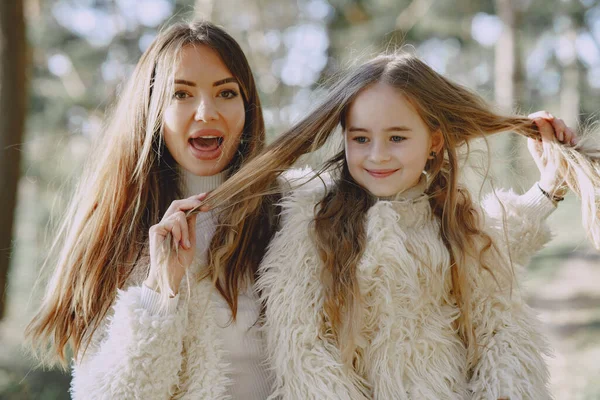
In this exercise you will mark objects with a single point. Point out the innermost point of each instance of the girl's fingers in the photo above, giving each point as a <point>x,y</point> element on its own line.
<point>541,114</point>
<point>560,129</point>
<point>547,134</point>
<point>573,139</point>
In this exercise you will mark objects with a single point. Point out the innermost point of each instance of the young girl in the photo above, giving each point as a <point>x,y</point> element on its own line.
<point>189,118</point>
<point>387,280</point>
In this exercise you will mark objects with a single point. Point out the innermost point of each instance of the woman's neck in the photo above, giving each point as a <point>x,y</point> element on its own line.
<point>194,184</point>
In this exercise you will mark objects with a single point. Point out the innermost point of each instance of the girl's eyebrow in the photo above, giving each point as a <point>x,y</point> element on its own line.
<point>217,83</point>
<point>400,128</point>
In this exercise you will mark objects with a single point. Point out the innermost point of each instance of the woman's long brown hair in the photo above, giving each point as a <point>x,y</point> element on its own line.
<point>126,187</point>
<point>339,234</point>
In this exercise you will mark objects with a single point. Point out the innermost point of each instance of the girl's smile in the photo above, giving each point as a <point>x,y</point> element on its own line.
<point>382,173</point>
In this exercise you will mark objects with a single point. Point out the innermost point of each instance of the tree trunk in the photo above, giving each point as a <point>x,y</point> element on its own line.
<point>508,83</point>
<point>13,98</point>
<point>569,91</point>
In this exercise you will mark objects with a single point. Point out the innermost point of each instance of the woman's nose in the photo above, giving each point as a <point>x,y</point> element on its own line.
<point>206,111</point>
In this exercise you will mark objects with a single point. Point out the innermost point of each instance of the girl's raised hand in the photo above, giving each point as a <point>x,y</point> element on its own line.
<point>183,233</point>
<point>551,129</point>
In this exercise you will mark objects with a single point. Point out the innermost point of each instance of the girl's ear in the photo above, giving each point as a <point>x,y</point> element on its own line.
<point>437,141</point>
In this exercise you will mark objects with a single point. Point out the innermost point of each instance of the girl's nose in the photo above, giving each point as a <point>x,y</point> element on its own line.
<point>206,111</point>
<point>379,152</point>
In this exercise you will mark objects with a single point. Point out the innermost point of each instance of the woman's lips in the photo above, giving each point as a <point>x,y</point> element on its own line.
<point>382,173</point>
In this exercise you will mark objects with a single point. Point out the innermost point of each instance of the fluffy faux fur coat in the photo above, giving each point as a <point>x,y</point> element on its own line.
<point>141,355</point>
<point>408,345</point>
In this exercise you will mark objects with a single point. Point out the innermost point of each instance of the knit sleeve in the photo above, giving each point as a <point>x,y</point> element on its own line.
<point>306,365</point>
<point>509,342</point>
<point>134,354</point>
<point>518,223</point>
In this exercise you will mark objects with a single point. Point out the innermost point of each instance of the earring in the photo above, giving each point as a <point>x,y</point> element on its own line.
<point>431,155</point>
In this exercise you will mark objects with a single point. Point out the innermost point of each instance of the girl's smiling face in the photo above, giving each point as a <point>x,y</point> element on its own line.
<point>387,143</point>
<point>205,118</point>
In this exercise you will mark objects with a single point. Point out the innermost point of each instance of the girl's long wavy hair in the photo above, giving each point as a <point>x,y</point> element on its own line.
<point>339,224</point>
<point>126,187</point>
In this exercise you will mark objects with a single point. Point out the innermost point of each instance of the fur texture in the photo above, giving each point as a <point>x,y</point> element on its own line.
<point>409,348</point>
<point>137,355</point>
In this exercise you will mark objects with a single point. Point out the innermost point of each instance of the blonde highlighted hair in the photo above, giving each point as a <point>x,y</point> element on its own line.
<point>126,187</point>
<point>339,234</point>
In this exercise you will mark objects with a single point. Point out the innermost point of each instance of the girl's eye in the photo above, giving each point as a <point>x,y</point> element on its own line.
<point>360,139</point>
<point>181,95</point>
<point>228,94</point>
<point>397,139</point>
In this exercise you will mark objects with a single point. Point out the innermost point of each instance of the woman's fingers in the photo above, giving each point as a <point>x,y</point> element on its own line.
<point>175,230</point>
<point>182,222</point>
<point>191,223</point>
<point>185,204</point>
<point>179,227</point>
<point>176,222</point>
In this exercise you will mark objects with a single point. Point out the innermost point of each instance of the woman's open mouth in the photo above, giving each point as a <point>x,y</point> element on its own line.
<point>206,147</point>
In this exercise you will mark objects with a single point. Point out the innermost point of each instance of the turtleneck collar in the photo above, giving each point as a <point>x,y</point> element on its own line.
<point>194,184</point>
<point>411,194</point>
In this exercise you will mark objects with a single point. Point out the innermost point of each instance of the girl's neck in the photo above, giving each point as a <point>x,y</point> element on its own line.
<point>193,184</point>
<point>409,194</point>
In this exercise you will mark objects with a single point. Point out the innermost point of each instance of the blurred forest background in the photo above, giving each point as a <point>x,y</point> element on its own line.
<point>62,63</point>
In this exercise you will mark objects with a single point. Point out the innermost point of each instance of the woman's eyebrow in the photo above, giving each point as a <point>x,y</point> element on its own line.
<point>217,83</point>
<point>224,81</point>
<point>184,82</point>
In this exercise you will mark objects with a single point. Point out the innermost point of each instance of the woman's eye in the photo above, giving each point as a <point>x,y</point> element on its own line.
<point>181,95</point>
<point>397,139</point>
<point>228,94</point>
<point>360,139</point>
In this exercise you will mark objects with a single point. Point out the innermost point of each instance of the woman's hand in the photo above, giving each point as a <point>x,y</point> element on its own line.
<point>183,232</point>
<point>552,129</point>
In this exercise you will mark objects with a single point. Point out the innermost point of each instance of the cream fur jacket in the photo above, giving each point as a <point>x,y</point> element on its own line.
<point>408,347</point>
<point>141,355</point>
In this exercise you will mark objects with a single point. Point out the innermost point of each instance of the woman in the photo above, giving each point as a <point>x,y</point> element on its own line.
<point>189,118</point>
